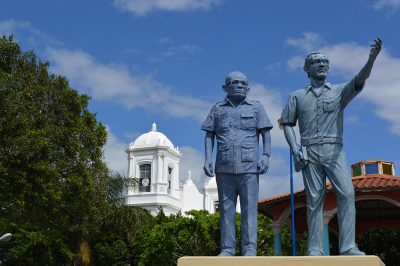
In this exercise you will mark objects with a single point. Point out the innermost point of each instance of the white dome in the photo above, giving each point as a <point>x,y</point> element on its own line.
<point>153,138</point>
<point>212,183</point>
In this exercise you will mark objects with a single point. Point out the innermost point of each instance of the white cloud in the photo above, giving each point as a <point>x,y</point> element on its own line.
<point>181,51</point>
<point>113,82</point>
<point>309,42</point>
<point>142,7</point>
<point>114,154</point>
<point>193,160</point>
<point>352,119</point>
<point>279,184</point>
<point>383,87</point>
<point>11,26</point>
<point>273,104</point>
<point>382,4</point>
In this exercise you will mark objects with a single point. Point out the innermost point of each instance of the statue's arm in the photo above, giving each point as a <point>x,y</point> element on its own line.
<point>263,164</point>
<point>290,137</point>
<point>209,146</point>
<point>367,68</point>
<point>300,159</point>
<point>266,140</point>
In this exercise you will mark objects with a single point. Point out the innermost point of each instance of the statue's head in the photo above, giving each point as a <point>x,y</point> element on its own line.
<point>316,65</point>
<point>236,85</point>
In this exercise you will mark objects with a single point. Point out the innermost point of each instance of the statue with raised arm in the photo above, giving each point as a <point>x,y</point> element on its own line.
<point>318,108</point>
<point>237,123</point>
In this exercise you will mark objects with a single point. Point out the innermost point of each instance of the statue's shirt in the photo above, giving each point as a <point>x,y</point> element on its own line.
<point>237,133</point>
<point>320,116</point>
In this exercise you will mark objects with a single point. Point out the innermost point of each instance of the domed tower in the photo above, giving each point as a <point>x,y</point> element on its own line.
<point>153,162</point>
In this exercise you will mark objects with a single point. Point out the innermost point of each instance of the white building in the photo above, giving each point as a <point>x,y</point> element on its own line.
<point>153,162</point>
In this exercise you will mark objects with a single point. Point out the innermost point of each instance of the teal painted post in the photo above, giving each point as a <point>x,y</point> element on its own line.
<point>277,244</point>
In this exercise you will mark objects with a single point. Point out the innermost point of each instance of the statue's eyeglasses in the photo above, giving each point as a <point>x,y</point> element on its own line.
<point>319,61</point>
<point>237,82</point>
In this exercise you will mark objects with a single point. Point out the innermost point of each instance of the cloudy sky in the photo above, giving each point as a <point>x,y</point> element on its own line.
<point>164,61</point>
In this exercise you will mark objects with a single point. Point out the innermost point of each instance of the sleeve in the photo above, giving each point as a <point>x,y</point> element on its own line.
<point>263,121</point>
<point>350,91</point>
<point>209,122</point>
<point>289,113</point>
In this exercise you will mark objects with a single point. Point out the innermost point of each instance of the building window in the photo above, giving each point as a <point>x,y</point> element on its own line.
<point>169,179</point>
<point>357,170</point>
<point>145,178</point>
<point>371,169</point>
<point>387,169</point>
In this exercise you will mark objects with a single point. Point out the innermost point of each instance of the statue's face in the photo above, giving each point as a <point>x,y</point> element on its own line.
<point>237,87</point>
<point>318,67</point>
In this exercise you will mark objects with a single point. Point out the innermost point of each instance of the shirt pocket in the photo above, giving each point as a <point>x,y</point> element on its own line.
<point>248,121</point>
<point>223,121</point>
<point>329,105</point>
<point>248,152</point>
<point>224,153</point>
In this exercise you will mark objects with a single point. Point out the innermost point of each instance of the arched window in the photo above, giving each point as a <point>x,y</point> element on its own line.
<point>169,179</point>
<point>145,178</point>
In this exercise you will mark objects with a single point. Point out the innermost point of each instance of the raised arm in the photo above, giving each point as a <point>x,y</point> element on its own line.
<point>209,146</point>
<point>367,68</point>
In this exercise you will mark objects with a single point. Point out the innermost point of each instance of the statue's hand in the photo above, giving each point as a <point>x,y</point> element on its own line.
<point>375,48</point>
<point>299,160</point>
<point>263,164</point>
<point>209,168</point>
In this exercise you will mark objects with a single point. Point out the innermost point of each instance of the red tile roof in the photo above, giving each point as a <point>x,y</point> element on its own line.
<point>372,182</point>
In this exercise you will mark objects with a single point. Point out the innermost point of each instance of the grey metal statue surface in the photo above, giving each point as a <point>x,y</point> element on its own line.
<point>237,123</point>
<point>319,110</point>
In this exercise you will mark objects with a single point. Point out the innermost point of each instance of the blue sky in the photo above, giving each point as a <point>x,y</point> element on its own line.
<point>164,61</point>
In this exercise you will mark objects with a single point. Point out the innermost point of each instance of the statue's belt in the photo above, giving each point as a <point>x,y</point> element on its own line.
<point>321,140</point>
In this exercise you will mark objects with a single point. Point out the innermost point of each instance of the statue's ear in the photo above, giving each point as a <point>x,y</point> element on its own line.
<point>224,88</point>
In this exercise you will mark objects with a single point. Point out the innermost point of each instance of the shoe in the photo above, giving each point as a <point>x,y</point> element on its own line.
<point>249,254</point>
<point>315,252</point>
<point>353,252</point>
<point>225,254</point>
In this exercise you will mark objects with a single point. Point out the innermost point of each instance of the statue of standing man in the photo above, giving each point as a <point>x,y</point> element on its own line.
<point>318,108</point>
<point>237,123</point>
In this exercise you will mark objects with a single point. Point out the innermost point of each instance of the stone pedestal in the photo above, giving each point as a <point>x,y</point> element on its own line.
<point>282,261</point>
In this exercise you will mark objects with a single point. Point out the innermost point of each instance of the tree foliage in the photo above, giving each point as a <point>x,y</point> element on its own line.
<point>382,242</point>
<point>52,173</point>
<point>197,234</point>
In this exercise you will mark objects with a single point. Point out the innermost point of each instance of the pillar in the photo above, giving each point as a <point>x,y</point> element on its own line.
<point>326,246</point>
<point>276,229</point>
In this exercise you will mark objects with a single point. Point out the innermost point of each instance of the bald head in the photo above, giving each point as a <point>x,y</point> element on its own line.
<point>236,85</point>
<point>235,75</point>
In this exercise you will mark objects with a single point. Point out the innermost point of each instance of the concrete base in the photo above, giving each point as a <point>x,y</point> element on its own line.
<point>282,261</point>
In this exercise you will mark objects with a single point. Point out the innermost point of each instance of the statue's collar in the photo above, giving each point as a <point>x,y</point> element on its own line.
<point>326,85</point>
<point>226,101</point>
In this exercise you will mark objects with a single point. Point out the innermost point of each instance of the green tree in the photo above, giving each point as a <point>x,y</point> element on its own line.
<point>113,243</point>
<point>382,242</point>
<point>52,175</point>
<point>172,237</point>
<point>197,234</point>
